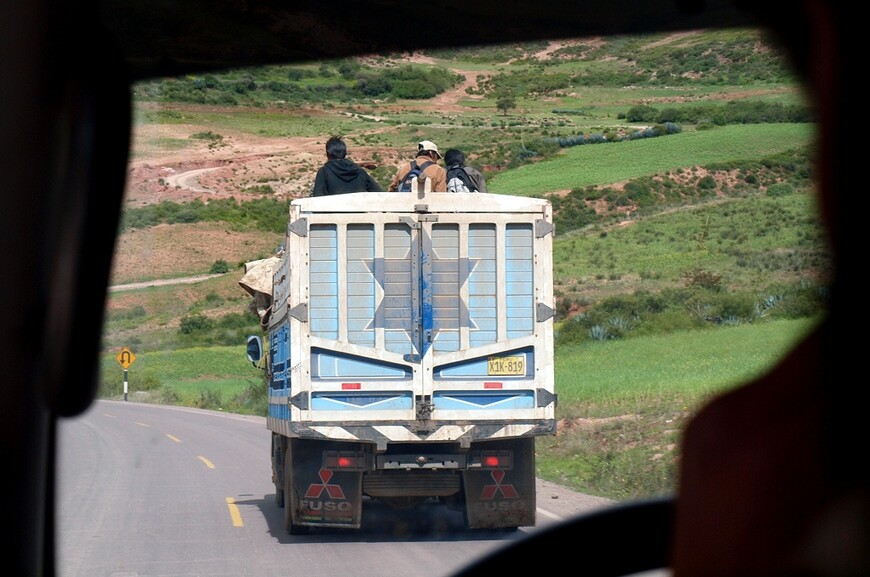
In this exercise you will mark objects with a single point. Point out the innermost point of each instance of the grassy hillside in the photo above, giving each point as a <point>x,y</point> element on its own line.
<point>688,252</point>
<point>598,164</point>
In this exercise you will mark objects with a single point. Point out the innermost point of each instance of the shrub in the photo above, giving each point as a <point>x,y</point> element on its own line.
<point>213,298</point>
<point>572,331</point>
<point>736,307</point>
<point>779,189</point>
<point>167,396</point>
<point>707,183</point>
<point>194,324</point>
<point>642,113</point>
<point>252,400</point>
<point>702,278</point>
<point>207,135</point>
<point>599,333</point>
<point>208,399</point>
<point>219,267</point>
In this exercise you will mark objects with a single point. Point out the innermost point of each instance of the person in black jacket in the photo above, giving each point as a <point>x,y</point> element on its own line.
<point>454,159</point>
<point>340,175</point>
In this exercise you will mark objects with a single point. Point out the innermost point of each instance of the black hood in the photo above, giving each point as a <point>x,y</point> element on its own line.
<point>343,169</point>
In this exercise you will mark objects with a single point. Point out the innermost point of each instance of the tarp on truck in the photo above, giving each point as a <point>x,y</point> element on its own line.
<point>257,281</point>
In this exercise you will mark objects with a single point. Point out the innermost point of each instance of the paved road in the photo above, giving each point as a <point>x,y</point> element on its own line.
<point>173,491</point>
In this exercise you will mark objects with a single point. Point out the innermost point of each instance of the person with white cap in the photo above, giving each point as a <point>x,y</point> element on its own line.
<point>427,160</point>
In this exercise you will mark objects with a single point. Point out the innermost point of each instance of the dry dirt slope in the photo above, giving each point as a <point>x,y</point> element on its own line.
<point>203,171</point>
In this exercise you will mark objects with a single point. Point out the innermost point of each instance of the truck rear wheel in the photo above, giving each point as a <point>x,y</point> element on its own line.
<point>289,507</point>
<point>278,473</point>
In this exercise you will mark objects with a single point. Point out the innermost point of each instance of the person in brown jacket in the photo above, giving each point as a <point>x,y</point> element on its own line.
<point>427,158</point>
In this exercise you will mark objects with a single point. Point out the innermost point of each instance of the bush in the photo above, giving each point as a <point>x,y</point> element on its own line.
<point>702,278</point>
<point>737,306</point>
<point>252,400</point>
<point>167,395</point>
<point>195,324</point>
<point>572,331</point>
<point>707,183</point>
<point>219,267</point>
<point>642,113</point>
<point>208,399</point>
<point>779,189</point>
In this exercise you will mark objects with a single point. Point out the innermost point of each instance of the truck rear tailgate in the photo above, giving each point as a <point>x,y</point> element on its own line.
<point>406,317</point>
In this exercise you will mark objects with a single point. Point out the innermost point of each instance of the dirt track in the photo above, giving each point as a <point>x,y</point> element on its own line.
<point>242,161</point>
<point>161,282</point>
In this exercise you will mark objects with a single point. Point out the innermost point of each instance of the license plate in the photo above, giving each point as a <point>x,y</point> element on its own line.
<point>506,366</point>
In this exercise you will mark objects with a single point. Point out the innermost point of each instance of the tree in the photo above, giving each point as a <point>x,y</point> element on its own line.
<point>505,103</point>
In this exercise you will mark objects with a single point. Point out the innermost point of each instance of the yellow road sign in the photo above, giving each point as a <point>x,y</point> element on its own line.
<point>126,357</point>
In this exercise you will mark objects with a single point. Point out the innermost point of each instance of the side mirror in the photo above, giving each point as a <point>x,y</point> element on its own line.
<point>254,350</point>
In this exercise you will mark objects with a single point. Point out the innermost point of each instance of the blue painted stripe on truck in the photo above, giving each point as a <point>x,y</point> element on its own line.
<point>465,400</point>
<point>337,401</point>
<point>281,411</point>
<point>327,364</point>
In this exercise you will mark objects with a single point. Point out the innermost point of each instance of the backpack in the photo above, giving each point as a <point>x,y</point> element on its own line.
<point>458,180</point>
<point>416,171</point>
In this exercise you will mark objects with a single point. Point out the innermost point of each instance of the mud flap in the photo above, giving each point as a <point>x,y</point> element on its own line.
<point>322,496</point>
<point>504,496</point>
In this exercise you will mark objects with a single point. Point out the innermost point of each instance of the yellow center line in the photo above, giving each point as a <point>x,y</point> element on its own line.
<point>176,439</point>
<point>206,461</point>
<point>234,513</point>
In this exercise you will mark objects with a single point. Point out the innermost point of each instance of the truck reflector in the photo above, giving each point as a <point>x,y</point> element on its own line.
<point>350,386</point>
<point>499,459</point>
<point>344,460</point>
<point>492,385</point>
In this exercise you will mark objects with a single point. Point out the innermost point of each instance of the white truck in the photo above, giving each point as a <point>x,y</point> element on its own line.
<point>410,355</point>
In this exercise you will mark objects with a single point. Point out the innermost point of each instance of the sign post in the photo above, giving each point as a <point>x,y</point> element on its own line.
<point>125,359</point>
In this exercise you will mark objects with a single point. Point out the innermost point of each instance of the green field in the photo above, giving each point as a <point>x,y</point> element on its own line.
<point>594,164</point>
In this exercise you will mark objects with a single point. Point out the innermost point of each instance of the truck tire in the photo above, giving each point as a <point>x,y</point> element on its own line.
<point>278,470</point>
<point>289,507</point>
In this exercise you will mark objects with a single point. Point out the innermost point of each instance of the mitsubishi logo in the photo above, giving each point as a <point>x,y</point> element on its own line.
<point>315,490</point>
<point>491,491</point>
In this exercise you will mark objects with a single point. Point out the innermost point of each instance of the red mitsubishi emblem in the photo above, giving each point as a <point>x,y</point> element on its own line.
<point>490,491</point>
<point>316,489</point>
